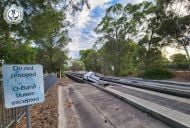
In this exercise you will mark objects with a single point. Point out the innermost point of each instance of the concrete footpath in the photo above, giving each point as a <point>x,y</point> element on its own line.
<point>84,106</point>
<point>75,112</point>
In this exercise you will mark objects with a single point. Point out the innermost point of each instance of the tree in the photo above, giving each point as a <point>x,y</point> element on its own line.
<point>174,28</point>
<point>50,37</point>
<point>179,58</point>
<point>14,52</point>
<point>77,65</point>
<point>119,27</point>
<point>91,60</point>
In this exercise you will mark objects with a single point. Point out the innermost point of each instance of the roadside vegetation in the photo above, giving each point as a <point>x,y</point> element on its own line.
<point>41,37</point>
<point>133,36</point>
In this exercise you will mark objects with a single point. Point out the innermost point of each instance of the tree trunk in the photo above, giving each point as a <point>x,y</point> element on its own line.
<point>187,53</point>
<point>150,40</point>
<point>51,60</point>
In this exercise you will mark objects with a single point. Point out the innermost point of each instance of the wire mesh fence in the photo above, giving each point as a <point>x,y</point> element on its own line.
<point>10,117</point>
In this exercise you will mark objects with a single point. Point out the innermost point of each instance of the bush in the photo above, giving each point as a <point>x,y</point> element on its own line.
<point>127,72</point>
<point>157,74</point>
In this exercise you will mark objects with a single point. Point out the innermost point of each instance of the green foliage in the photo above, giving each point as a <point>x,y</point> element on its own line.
<point>44,26</point>
<point>174,27</point>
<point>16,52</point>
<point>52,59</point>
<point>153,58</point>
<point>77,65</point>
<point>179,59</point>
<point>118,28</point>
<point>91,60</point>
<point>23,54</point>
<point>157,74</point>
<point>120,23</point>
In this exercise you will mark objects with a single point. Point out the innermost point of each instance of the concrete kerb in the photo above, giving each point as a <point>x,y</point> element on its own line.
<point>171,117</point>
<point>61,111</point>
<point>171,91</point>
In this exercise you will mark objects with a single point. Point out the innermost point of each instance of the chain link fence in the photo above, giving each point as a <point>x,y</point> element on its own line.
<point>10,117</point>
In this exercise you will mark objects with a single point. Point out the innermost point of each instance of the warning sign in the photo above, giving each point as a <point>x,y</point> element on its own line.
<point>23,85</point>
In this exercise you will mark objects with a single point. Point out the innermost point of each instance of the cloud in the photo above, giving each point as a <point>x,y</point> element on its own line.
<point>82,34</point>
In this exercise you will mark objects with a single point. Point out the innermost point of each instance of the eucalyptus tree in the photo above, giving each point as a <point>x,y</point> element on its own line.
<point>175,28</point>
<point>44,25</point>
<point>179,59</point>
<point>119,27</point>
<point>91,60</point>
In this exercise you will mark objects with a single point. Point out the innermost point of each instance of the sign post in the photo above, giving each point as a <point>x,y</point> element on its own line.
<point>113,69</point>
<point>23,86</point>
<point>28,116</point>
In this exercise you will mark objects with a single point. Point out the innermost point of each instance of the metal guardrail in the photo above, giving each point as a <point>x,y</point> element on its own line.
<point>10,117</point>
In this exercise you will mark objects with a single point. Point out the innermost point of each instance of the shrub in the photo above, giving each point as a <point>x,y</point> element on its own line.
<point>157,74</point>
<point>127,72</point>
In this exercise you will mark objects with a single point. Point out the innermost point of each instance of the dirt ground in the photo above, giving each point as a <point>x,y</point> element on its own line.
<point>44,115</point>
<point>183,76</point>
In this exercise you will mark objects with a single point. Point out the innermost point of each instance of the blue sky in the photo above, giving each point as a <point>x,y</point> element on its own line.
<point>82,34</point>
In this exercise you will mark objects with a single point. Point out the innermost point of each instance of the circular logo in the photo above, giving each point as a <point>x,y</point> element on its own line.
<point>13,14</point>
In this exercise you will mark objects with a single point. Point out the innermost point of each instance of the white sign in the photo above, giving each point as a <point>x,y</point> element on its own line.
<point>13,14</point>
<point>23,85</point>
<point>112,68</point>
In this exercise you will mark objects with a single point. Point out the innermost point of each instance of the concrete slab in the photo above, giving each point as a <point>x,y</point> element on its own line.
<point>120,114</point>
<point>61,112</point>
<point>168,89</point>
<point>172,117</point>
<point>187,84</point>
<point>176,98</point>
<point>76,112</point>
<point>161,100</point>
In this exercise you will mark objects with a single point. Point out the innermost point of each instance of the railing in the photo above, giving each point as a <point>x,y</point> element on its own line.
<point>10,117</point>
<point>178,67</point>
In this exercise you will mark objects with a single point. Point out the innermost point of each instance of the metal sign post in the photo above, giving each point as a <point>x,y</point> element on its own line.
<point>28,116</point>
<point>23,86</point>
<point>113,69</point>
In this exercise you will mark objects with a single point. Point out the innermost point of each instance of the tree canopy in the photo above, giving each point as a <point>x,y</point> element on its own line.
<point>42,35</point>
<point>133,35</point>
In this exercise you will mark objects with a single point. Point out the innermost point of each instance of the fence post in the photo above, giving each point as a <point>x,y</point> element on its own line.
<point>2,98</point>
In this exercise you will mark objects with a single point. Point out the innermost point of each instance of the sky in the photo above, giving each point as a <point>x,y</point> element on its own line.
<point>82,34</point>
